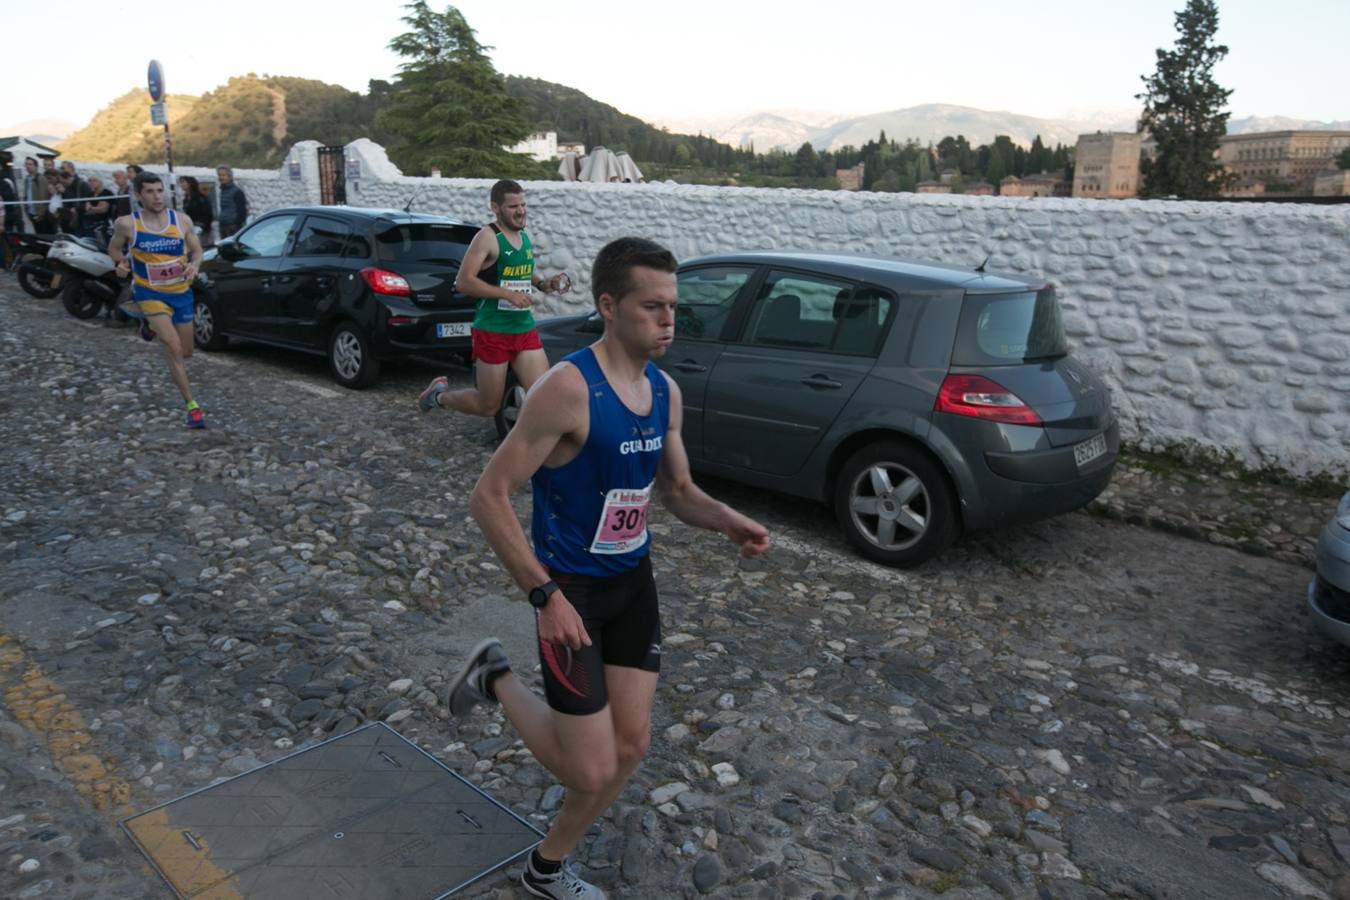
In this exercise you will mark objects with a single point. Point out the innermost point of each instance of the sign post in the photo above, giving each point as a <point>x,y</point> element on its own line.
<point>159,115</point>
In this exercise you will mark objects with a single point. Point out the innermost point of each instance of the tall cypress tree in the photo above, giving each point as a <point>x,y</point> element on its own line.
<point>1184,110</point>
<point>449,107</point>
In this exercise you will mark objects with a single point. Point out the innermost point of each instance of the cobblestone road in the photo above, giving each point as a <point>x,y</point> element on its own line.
<point>1077,708</point>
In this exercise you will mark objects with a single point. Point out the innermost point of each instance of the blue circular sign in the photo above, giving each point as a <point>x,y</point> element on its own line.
<point>156,79</point>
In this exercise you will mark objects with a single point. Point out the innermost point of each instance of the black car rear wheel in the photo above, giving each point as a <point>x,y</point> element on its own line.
<point>350,358</point>
<point>895,504</point>
<point>205,329</point>
<point>513,398</point>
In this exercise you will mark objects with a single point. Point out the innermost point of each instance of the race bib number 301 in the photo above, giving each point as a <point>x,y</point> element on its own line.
<point>520,287</point>
<point>623,521</point>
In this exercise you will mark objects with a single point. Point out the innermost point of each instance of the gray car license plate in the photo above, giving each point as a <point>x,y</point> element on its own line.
<point>452,329</point>
<point>1089,450</point>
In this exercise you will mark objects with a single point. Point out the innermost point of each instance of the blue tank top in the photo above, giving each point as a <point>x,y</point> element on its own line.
<point>590,514</point>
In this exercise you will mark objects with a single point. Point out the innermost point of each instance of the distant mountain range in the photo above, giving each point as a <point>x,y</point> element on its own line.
<point>45,131</point>
<point>931,122</point>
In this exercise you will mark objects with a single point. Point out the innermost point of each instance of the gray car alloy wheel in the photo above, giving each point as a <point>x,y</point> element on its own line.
<point>203,324</point>
<point>347,355</point>
<point>889,506</point>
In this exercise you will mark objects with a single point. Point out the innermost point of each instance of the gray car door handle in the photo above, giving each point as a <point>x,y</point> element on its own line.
<point>689,367</point>
<point>821,381</point>
<point>266,283</point>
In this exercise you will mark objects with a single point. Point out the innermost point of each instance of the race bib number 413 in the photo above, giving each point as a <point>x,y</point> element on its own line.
<point>623,521</point>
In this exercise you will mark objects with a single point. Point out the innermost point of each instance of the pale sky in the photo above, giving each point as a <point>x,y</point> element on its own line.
<point>697,60</point>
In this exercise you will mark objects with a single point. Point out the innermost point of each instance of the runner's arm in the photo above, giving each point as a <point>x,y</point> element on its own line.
<point>675,486</point>
<point>555,407</point>
<point>120,239</point>
<point>192,243</point>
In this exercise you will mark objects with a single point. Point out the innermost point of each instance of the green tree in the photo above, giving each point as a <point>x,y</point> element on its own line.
<point>807,163</point>
<point>449,107</point>
<point>1184,109</point>
<point>1343,161</point>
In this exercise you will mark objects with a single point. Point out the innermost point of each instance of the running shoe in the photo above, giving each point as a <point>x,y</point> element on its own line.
<point>470,687</point>
<point>564,884</point>
<point>195,419</point>
<point>147,333</point>
<point>430,398</point>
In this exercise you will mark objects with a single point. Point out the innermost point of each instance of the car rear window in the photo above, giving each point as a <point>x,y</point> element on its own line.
<point>424,242</point>
<point>1008,329</point>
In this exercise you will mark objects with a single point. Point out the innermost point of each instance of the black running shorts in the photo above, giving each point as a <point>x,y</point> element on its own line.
<point>621,616</point>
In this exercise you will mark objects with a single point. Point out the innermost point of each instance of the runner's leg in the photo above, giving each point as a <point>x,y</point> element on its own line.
<point>631,692</point>
<point>529,366</point>
<point>485,397</point>
<point>168,335</point>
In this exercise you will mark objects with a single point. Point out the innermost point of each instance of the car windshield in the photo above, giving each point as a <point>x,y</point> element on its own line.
<point>425,242</point>
<point>1009,329</point>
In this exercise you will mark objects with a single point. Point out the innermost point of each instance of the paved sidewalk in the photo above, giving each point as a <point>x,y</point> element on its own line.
<point>1227,509</point>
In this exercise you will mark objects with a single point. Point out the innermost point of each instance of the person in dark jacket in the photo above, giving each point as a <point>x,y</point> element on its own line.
<point>197,206</point>
<point>233,205</point>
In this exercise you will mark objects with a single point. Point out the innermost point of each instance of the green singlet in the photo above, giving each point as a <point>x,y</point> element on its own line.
<point>515,272</point>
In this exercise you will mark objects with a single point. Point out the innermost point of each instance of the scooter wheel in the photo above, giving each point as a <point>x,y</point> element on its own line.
<point>36,280</point>
<point>78,302</point>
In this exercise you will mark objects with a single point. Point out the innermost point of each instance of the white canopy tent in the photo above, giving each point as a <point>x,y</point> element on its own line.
<point>600,165</point>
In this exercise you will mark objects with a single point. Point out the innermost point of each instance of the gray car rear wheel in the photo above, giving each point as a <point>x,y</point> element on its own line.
<point>895,504</point>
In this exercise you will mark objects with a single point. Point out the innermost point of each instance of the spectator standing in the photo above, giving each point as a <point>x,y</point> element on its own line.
<point>11,211</point>
<point>77,190</point>
<point>98,215</point>
<point>198,207</point>
<point>34,191</point>
<point>121,193</point>
<point>231,203</point>
<point>57,215</point>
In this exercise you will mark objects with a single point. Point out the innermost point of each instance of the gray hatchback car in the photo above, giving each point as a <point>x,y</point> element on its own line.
<point>917,400</point>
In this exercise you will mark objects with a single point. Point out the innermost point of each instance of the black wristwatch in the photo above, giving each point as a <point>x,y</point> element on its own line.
<point>539,596</point>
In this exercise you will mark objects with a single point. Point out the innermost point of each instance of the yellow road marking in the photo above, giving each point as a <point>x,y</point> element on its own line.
<point>39,706</point>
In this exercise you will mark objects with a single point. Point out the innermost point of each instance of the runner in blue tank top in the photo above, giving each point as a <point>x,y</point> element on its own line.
<point>599,435</point>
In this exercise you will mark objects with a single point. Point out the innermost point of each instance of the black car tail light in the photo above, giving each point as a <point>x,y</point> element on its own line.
<point>382,281</point>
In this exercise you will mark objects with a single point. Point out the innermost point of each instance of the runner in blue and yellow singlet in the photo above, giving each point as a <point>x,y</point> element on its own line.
<point>159,248</point>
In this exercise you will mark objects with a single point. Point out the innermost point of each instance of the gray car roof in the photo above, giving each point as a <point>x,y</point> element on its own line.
<point>894,273</point>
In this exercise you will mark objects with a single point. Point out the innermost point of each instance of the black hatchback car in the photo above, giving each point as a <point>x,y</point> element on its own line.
<point>356,285</point>
<point>918,400</point>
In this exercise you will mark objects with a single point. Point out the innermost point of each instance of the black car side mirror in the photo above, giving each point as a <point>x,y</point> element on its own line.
<point>228,249</point>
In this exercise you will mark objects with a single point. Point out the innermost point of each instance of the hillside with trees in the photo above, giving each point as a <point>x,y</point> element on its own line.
<point>250,121</point>
<point>119,130</point>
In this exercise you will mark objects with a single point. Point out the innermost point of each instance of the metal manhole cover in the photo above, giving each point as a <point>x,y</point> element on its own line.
<point>365,816</point>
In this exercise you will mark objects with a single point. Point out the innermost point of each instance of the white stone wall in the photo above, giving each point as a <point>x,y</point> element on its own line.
<point>1219,327</point>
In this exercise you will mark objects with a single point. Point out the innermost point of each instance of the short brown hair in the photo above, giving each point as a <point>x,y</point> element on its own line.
<point>502,188</point>
<point>617,259</point>
<point>144,178</point>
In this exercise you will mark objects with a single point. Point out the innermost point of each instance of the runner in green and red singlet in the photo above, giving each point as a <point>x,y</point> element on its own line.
<point>499,270</point>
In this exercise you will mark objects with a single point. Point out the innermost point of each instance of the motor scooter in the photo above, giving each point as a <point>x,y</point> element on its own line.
<point>90,282</point>
<point>36,276</point>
